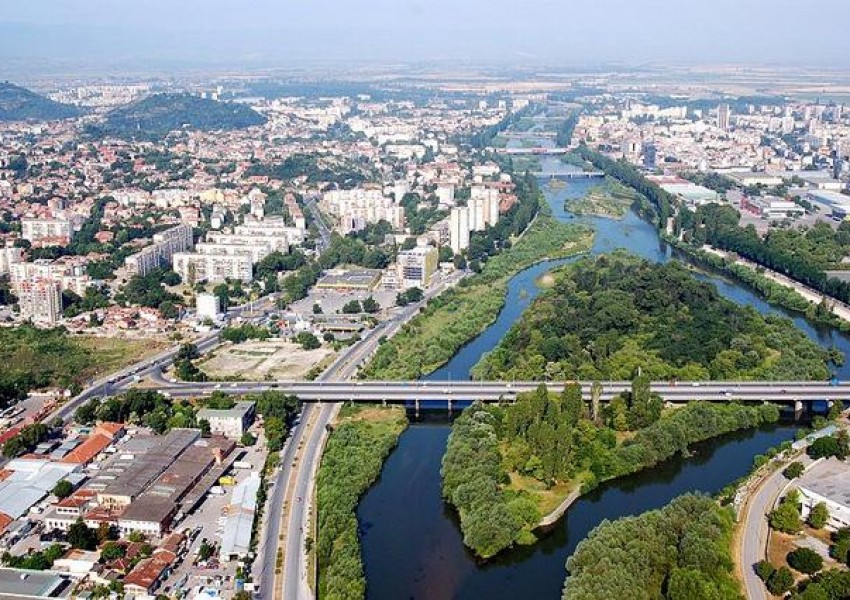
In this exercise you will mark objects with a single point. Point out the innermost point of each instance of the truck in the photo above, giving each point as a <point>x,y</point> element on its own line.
<point>241,464</point>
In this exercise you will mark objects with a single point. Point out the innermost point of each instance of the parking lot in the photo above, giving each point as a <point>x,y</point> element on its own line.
<point>208,521</point>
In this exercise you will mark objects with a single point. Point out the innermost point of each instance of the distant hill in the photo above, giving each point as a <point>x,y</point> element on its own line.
<point>20,104</point>
<point>156,115</point>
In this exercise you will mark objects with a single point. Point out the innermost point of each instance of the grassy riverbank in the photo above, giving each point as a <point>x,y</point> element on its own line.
<point>454,318</point>
<point>352,461</point>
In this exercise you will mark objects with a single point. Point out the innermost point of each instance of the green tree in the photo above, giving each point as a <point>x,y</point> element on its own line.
<point>819,516</point>
<point>764,570</point>
<point>82,536</point>
<point>781,581</point>
<point>307,340</point>
<point>794,470</point>
<point>352,307</point>
<point>111,551</point>
<point>786,516</point>
<point>370,305</point>
<point>63,489</point>
<point>805,560</point>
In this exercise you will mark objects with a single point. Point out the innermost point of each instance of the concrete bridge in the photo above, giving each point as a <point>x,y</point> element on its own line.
<point>796,392</point>
<point>527,134</point>
<point>536,151</point>
<point>570,175</point>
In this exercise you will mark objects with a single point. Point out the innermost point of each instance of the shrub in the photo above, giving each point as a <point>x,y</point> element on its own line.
<point>805,560</point>
<point>794,470</point>
<point>781,581</point>
<point>819,516</point>
<point>764,570</point>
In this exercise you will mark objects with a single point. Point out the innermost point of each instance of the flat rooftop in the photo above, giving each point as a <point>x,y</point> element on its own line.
<point>355,279</point>
<point>21,583</point>
<point>829,478</point>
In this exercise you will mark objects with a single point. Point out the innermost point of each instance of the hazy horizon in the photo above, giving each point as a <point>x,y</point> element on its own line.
<point>158,32</point>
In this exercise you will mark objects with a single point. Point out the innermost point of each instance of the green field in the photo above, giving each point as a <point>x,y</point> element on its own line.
<point>35,358</point>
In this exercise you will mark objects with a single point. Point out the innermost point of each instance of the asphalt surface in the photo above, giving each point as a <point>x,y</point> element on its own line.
<point>755,529</point>
<point>335,389</point>
<point>300,477</point>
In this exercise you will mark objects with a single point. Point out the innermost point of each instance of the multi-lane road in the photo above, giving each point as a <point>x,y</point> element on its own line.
<point>336,389</point>
<point>295,480</point>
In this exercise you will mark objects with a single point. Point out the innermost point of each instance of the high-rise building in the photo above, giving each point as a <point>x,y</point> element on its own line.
<point>9,256</point>
<point>836,162</point>
<point>459,229</point>
<point>40,299</point>
<point>724,112</point>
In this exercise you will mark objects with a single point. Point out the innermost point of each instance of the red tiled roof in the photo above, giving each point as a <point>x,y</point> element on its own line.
<point>85,452</point>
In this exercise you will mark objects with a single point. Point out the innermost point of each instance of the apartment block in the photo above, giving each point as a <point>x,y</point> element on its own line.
<point>358,207</point>
<point>40,299</point>
<point>215,268</point>
<point>459,229</point>
<point>8,257</point>
<point>47,232</point>
<point>160,253</point>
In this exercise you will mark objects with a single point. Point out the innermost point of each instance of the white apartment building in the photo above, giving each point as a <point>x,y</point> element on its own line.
<point>484,207</point>
<point>226,245</point>
<point>214,268</point>
<point>68,277</point>
<point>445,194</point>
<point>355,208</point>
<point>40,299</point>
<point>279,235</point>
<point>165,245</point>
<point>459,229</point>
<point>416,267</point>
<point>8,257</point>
<point>54,232</point>
<point>207,306</point>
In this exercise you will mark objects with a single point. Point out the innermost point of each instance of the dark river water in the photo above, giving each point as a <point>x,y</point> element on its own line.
<point>412,546</point>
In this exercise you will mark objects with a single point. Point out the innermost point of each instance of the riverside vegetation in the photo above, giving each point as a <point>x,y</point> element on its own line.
<point>607,316</point>
<point>610,199</point>
<point>504,463</point>
<point>679,552</point>
<point>774,292</point>
<point>450,320</point>
<point>352,461</point>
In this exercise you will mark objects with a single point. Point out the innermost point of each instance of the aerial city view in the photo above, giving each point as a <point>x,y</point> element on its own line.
<point>416,300</point>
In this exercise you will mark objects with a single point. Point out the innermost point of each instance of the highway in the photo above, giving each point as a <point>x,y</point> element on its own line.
<point>335,389</point>
<point>296,478</point>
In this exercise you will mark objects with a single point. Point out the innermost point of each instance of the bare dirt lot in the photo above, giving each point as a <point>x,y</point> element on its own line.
<point>270,359</point>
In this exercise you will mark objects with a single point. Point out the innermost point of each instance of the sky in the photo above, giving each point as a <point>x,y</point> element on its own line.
<point>287,33</point>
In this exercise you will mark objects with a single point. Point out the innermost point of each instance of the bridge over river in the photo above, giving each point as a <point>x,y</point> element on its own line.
<point>796,392</point>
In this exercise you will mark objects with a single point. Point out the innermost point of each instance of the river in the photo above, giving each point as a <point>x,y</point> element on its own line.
<point>412,545</point>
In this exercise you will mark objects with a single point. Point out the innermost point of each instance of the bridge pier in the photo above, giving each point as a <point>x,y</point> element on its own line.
<point>416,405</point>
<point>798,409</point>
<point>449,404</point>
<point>384,402</point>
